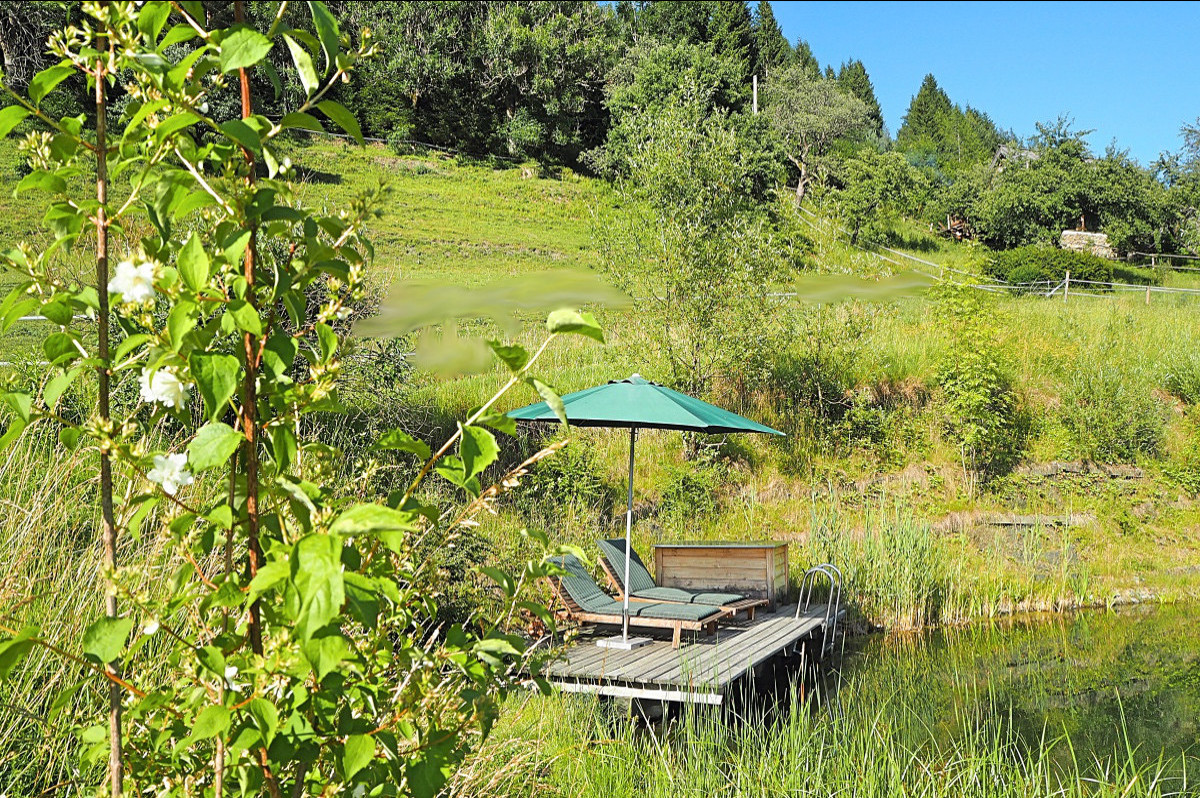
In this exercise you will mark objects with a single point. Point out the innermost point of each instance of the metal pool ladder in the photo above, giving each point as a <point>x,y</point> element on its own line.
<point>832,606</point>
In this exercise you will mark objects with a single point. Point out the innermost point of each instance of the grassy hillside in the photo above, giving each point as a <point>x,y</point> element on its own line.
<point>868,477</point>
<point>856,386</point>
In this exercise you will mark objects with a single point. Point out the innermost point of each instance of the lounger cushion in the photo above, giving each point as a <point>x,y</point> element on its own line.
<point>675,612</point>
<point>582,588</point>
<point>639,577</point>
<point>643,586</point>
<point>590,598</point>
<point>687,596</point>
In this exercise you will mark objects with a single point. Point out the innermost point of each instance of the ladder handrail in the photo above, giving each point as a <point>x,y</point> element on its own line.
<point>832,606</point>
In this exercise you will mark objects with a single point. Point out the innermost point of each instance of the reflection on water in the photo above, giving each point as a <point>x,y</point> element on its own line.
<point>1106,680</point>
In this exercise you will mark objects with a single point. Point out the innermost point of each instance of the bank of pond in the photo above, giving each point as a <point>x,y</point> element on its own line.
<point>1091,703</point>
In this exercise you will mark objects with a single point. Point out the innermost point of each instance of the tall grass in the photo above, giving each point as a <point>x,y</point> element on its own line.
<point>577,746</point>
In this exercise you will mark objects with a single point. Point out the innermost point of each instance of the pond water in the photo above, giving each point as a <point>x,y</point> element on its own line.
<point>1113,682</point>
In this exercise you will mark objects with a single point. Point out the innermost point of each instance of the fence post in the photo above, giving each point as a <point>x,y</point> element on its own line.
<point>1147,293</point>
<point>1066,285</point>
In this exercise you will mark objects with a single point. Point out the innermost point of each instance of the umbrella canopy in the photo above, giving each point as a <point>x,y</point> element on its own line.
<point>641,404</point>
<point>635,404</point>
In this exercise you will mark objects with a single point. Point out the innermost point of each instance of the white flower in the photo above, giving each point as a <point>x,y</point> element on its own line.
<point>165,387</point>
<point>344,313</point>
<point>171,472</point>
<point>231,673</point>
<point>134,281</point>
<point>150,627</point>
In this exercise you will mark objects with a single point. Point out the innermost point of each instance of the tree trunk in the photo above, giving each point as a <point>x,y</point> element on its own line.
<point>249,414</point>
<point>108,523</point>
<point>802,183</point>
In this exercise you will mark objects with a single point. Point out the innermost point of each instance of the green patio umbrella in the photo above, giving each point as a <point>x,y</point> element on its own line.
<point>635,404</point>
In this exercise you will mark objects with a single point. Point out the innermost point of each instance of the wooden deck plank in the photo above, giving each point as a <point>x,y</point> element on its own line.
<point>767,649</point>
<point>732,655</point>
<point>699,671</point>
<point>777,623</point>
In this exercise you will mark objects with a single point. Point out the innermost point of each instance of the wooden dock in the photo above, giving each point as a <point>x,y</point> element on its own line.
<point>704,670</point>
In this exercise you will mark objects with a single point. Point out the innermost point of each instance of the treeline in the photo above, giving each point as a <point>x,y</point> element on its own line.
<point>579,84</point>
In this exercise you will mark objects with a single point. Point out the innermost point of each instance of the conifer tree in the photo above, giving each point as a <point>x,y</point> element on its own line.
<point>853,79</point>
<point>731,36</point>
<point>926,115</point>
<point>773,48</point>
<point>803,56</point>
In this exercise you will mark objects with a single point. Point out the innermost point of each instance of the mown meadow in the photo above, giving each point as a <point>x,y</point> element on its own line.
<point>1095,507</point>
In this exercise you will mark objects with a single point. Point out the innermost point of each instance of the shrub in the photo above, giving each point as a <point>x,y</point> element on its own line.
<point>1032,264</point>
<point>691,490</point>
<point>571,478</point>
<point>982,413</point>
<point>1111,418</point>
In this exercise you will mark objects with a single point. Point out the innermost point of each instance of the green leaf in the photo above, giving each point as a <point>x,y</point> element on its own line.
<point>364,519</point>
<point>21,403</point>
<point>15,428</point>
<point>506,582</point>
<point>45,81</point>
<point>325,652</point>
<point>245,317</point>
<point>328,341</point>
<point>280,353</point>
<point>316,573</point>
<point>515,357</point>
<point>105,639</point>
<point>60,348</point>
<point>56,385</point>
<point>243,134</point>
<point>58,311</point>
<point>10,117</point>
<point>67,436</point>
<point>342,118</point>
<point>304,65</point>
<point>498,647</point>
<point>570,321</point>
<point>265,717</point>
<point>181,32</point>
<point>301,120</point>
<point>401,441</point>
<point>452,469</point>
<point>477,449</point>
<point>41,179</point>
<point>211,721</point>
<point>180,321</point>
<point>174,124</point>
<point>13,650</point>
<point>242,48</point>
<point>362,598</point>
<point>234,247</point>
<point>268,576</point>
<point>358,753</point>
<point>327,29</point>
<point>499,422</point>
<point>212,659</point>
<point>213,445</point>
<point>151,18</point>
<point>193,264</point>
<point>551,398</point>
<point>216,377</point>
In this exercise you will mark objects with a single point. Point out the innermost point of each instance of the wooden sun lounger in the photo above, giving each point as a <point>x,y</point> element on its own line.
<point>747,605</point>
<point>572,611</point>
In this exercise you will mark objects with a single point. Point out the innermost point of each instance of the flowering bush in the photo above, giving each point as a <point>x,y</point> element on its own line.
<point>298,634</point>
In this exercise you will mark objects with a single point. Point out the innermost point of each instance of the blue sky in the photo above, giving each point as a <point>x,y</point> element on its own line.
<point>1126,70</point>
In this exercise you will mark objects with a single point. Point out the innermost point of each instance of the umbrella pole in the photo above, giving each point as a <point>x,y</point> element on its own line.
<point>628,535</point>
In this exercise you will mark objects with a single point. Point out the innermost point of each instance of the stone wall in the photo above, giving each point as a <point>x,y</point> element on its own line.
<point>1095,243</point>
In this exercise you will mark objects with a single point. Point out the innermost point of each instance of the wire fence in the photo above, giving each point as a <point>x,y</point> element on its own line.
<point>1068,287</point>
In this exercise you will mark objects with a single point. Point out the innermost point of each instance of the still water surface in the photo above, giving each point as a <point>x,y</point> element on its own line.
<point>1123,683</point>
